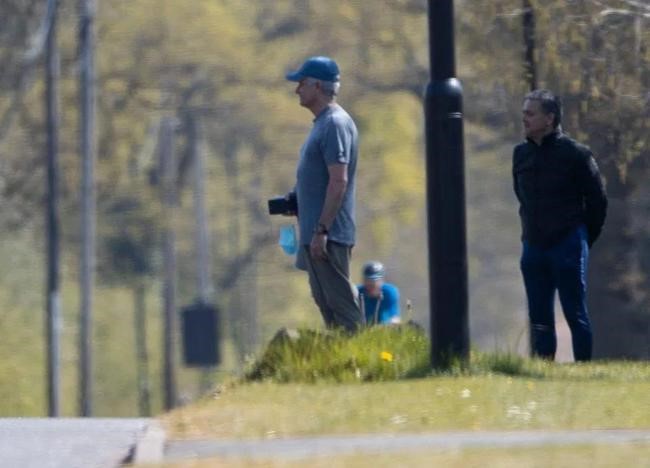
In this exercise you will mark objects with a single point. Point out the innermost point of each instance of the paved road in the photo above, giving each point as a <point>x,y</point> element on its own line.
<point>299,448</point>
<point>67,442</point>
<point>99,443</point>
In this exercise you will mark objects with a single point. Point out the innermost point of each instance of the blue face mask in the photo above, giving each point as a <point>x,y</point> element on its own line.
<point>288,240</point>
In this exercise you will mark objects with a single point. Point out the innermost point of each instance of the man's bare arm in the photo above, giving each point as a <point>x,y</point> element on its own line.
<point>336,187</point>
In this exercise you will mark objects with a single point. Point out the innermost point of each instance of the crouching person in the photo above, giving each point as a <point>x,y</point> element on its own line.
<point>379,300</point>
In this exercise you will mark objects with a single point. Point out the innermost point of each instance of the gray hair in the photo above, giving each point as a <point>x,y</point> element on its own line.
<point>551,104</point>
<point>330,88</point>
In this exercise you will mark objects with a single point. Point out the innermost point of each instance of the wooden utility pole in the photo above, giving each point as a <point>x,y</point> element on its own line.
<point>53,320</point>
<point>202,234</point>
<point>87,10</point>
<point>530,65</point>
<point>204,283</point>
<point>168,198</point>
<point>235,320</point>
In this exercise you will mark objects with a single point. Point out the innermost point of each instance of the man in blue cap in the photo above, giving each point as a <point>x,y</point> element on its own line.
<point>379,299</point>
<point>325,190</point>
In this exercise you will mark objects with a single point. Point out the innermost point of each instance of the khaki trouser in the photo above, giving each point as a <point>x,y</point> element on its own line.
<point>336,297</point>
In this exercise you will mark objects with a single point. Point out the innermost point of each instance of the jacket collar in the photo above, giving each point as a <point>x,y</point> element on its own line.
<point>548,139</point>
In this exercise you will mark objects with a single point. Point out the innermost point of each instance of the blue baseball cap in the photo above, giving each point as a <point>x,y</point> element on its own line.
<point>374,270</point>
<point>321,68</point>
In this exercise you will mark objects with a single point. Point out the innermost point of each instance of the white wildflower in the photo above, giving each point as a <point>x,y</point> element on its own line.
<point>398,419</point>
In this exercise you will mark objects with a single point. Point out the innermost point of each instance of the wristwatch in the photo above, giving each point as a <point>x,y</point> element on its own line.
<point>321,229</point>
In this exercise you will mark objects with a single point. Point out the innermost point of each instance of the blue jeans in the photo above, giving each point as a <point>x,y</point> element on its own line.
<point>562,267</point>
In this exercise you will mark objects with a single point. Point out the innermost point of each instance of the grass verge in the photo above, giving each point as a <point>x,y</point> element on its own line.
<point>270,410</point>
<point>328,384</point>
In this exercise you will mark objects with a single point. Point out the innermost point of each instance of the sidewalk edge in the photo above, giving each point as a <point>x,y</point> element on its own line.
<point>150,446</point>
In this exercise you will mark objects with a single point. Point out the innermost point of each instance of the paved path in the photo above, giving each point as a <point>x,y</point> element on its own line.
<point>298,448</point>
<point>68,442</point>
<point>99,443</point>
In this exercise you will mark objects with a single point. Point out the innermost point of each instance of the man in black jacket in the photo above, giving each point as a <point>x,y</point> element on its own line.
<point>562,209</point>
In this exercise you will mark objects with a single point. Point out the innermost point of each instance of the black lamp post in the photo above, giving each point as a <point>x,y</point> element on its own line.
<point>445,194</point>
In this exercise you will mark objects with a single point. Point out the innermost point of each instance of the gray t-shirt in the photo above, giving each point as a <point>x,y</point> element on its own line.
<point>332,140</point>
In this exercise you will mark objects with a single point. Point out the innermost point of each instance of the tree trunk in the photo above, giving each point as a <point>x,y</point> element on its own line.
<point>87,150</point>
<point>142,357</point>
<point>168,198</point>
<point>53,294</point>
<point>530,66</point>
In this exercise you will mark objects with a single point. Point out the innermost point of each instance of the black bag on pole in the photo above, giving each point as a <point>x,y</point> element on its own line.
<point>200,324</point>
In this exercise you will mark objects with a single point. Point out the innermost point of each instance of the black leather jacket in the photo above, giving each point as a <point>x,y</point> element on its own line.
<point>559,187</point>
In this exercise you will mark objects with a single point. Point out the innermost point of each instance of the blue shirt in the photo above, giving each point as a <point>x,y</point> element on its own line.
<point>386,306</point>
<point>333,140</point>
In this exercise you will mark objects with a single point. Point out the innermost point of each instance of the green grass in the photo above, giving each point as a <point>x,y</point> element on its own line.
<point>319,383</point>
<point>515,365</point>
<point>382,354</point>
<point>418,405</point>
<point>375,354</point>
<point>593,456</point>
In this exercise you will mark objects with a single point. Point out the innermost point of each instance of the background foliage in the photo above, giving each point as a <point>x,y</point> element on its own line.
<point>218,65</point>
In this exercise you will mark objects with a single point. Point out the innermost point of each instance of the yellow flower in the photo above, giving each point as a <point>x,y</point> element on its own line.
<point>386,356</point>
